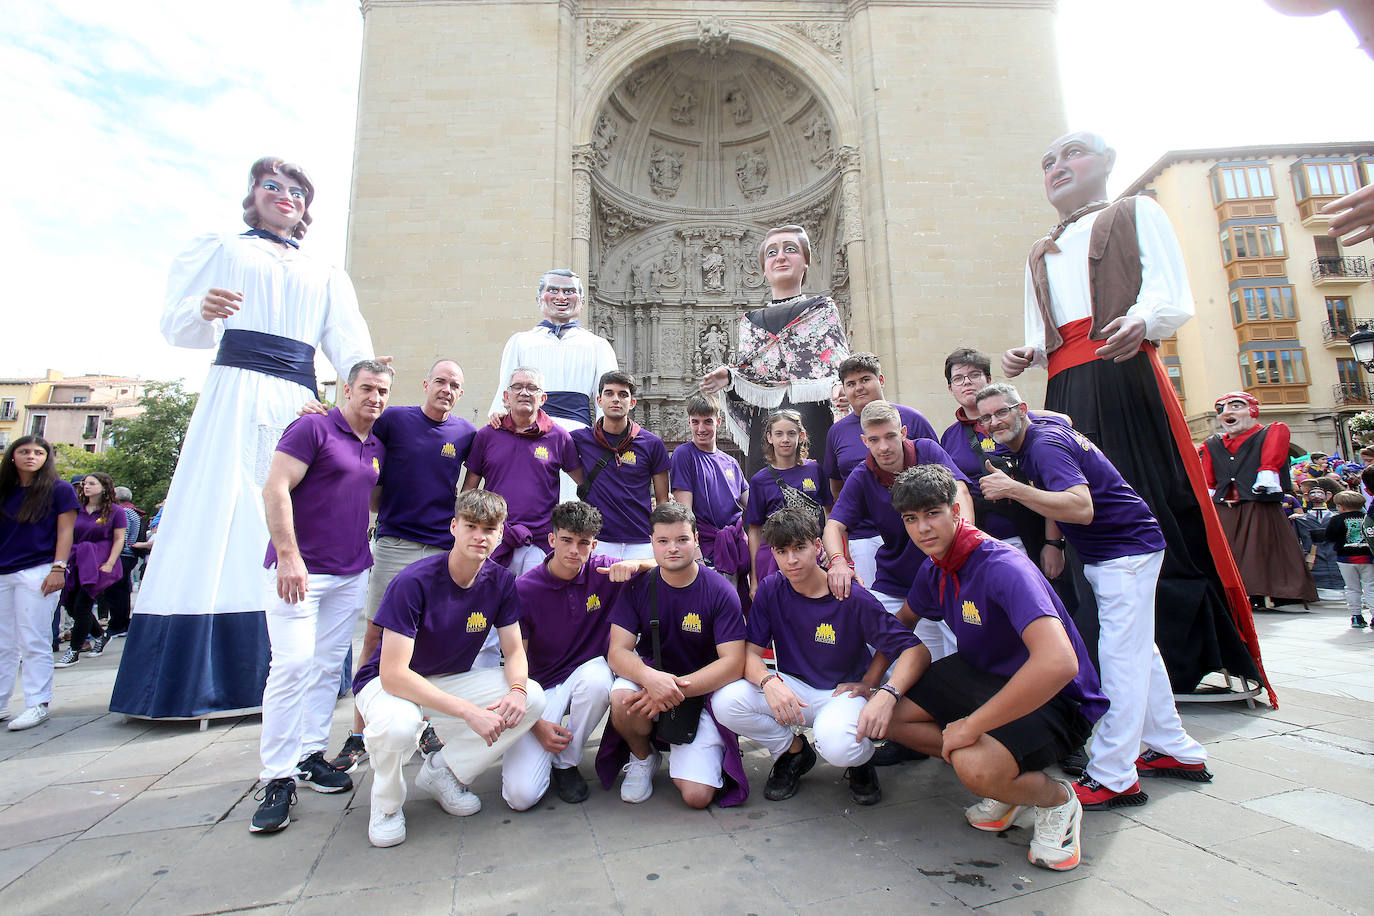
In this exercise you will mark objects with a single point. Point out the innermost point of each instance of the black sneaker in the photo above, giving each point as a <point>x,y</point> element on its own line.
<point>353,753</point>
<point>275,811</point>
<point>892,754</point>
<point>1075,761</point>
<point>863,784</point>
<point>569,784</point>
<point>429,742</point>
<point>787,772</point>
<point>316,773</point>
<point>1358,622</point>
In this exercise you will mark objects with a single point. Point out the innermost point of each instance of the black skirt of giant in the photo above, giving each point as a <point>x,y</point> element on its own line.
<point>1119,407</point>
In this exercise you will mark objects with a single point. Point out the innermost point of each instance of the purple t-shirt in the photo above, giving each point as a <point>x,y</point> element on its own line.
<point>823,641</point>
<point>28,544</point>
<point>765,496</point>
<point>449,623</point>
<point>692,621</point>
<point>566,623</point>
<point>715,480</point>
<point>1055,457</point>
<point>622,491</point>
<point>960,446</point>
<point>330,505</point>
<point>999,593</point>
<point>525,472</point>
<point>93,529</point>
<point>863,498</point>
<point>845,450</point>
<point>424,460</point>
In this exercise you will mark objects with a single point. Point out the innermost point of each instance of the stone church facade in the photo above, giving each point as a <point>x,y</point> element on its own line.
<point>648,145</point>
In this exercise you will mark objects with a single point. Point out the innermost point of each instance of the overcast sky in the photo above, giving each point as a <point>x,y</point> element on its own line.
<point>130,127</point>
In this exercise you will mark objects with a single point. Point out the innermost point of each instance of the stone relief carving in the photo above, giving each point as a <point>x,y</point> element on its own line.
<point>816,133</point>
<point>812,219</point>
<point>665,172</point>
<point>683,110</point>
<point>737,104</point>
<point>751,169</point>
<point>824,35</point>
<point>603,136</point>
<point>670,350</point>
<point>715,345</point>
<point>781,80</point>
<point>713,268</point>
<point>636,82</point>
<point>601,32</point>
<point>713,36</point>
<point>670,268</point>
<point>617,223</point>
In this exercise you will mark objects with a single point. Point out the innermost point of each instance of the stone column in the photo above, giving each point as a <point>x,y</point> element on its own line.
<point>583,161</point>
<point>851,236</point>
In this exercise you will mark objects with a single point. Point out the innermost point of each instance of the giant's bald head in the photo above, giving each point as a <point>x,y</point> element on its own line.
<point>1076,167</point>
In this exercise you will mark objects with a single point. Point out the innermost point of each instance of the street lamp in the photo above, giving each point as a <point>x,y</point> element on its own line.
<point>1362,344</point>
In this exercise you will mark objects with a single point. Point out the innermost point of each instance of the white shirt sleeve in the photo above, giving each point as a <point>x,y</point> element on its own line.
<point>1035,322</point>
<point>346,339</point>
<point>1165,301</point>
<point>605,362</point>
<point>509,363</point>
<point>191,276</point>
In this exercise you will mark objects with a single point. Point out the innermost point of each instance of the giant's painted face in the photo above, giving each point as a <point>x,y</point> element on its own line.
<point>1075,173</point>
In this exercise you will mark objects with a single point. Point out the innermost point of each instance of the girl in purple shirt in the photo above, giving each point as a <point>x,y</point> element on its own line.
<point>790,479</point>
<point>98,537</point>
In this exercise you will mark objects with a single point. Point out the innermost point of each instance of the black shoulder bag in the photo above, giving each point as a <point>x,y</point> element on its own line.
<point>679,724</point>
<point>585,487</point>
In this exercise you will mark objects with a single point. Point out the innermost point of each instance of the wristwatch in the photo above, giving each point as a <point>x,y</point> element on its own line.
<point>60,564</point>
<point>1061,543</point>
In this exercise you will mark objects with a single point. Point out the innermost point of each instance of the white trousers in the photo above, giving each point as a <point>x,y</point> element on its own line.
<point>703,760</point>
<point>583,698</point>
<point>1359,585</point>
<point>935,635</point>
<point>392,726</point>
<point>26,635</point>
<point>522,561</point>
<point>1133,677</point>
<point>864,553</point>
<point>390,555</point>
<point>309,642</point>
<point>624,551</point>
<point>834,721</point>
<point>567,487</point>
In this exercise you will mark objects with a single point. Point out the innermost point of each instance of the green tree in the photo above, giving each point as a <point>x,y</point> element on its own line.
<point>146,447</point>
<point>73,460</point>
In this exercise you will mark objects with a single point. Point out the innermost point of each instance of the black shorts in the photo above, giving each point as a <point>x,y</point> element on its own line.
<point>952,689</point>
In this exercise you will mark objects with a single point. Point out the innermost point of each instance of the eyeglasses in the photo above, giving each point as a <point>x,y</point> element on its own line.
<point>971,377</point>
<point>1000,414</point>
<point>531,388</point>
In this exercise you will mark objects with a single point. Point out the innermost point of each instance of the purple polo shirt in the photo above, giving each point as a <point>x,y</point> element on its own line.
<point>525,472</point>
<point>623,490</point>
<point>566,623</point>
<point>864,499</point>
<point>1000,592</point>
<point>449,623</point>
<point>969,448</point>
<point>765,496</point>
<point>24,545</point>
<point>823,641</point>
<point>715,480</point>
<point>424,460</point>
<point>1055,457</point>
<point>330,504</point>
<point>692,621</point>
<point>845,450</point>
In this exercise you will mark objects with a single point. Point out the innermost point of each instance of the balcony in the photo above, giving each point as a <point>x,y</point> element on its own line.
<point>1345,395</point>
<point>1257,268</point>
<point>1309,209</point>
<point>1336,334</point>
<point>8,413</point>
<point>1271,395</point>
<point>1339,271</point>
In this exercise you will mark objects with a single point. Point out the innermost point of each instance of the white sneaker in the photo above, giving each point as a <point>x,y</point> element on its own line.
<point>438,780</point>
<point>384,829</point>
<point>1055,844</point>
<point>34,715</point>
<point>992,815</point>
<point>638,784</point>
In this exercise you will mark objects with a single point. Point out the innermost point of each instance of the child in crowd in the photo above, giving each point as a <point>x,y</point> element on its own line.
<point>1353,557</point>
<point>791,480</point>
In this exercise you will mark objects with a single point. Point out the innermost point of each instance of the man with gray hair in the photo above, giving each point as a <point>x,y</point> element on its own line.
<point>572,358</point>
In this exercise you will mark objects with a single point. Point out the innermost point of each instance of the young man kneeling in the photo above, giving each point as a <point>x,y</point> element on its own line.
<point>1020,691</point>
<point>827,676</point>
<point>435,616</point>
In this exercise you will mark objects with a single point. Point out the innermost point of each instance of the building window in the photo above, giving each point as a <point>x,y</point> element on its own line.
<point>1239,182</point>
<point>1273,367</point>
<point>90,447</point>
<point>1326,179</point>
<point>4,440</point>
<point>1263,303</point>
<point>38,425</point>
<point>1176,379</point>
<point>1244,242</point>
<point>1338,313</point>
<point>80,398</point>
<point>1350,374</point>
<point>8,409</point>
<point>92,426</point>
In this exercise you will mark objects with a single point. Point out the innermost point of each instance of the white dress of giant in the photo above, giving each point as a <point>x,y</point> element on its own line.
<point>213,535</point>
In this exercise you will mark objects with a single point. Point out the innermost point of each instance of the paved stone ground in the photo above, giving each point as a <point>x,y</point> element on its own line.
<point>103,815</point>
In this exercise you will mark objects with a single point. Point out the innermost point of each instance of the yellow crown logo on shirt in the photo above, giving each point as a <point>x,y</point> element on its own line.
<point>691,623</point>
<point>808,484</point>
<point>448,451</point>
<point>971,614</point>
<point>593,603</point>
<point>825,633</point>
<point>541,453</point>
<point>730,474</point>
<point>376,466</point>
<point>1083,441</point>
<point>628,458</point>
<point>988,444</point>
<point>477,622</point>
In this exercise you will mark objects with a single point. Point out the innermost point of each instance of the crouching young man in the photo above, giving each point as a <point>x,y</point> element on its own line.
<point>435,616</point>
<point>1020,691</point>
<point>827,677</point>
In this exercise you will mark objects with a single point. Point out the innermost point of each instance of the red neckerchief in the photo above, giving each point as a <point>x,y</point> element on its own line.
<point>1233,443</point>
<point>542,424</point>
<point>966,541</point>
<point>627,438</point>
<point>908,460</point>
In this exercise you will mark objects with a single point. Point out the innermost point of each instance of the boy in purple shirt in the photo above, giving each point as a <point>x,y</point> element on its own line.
<point>316,500</point>
<point>1020,691</point>
<point>1070,481</point>
<point>827,677</point>
<point>861,375</point>
<point>621,462</point>
<point>435,618</point>
<point>567,602</point>
<point>520,459</point>
<point>701,642</point>
<point>711,484</point>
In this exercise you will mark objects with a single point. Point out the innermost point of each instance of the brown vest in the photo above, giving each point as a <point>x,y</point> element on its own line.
<point>1113,271</point>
